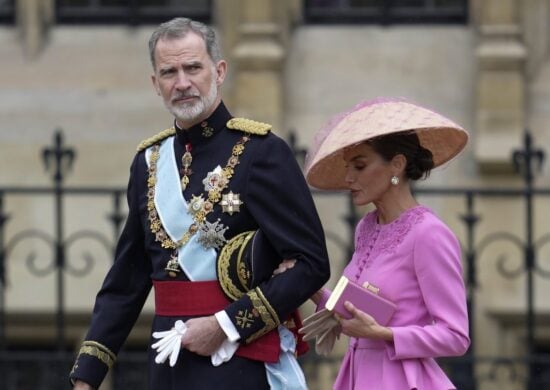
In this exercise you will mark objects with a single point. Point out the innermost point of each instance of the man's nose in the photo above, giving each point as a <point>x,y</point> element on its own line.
<point>182,82</point>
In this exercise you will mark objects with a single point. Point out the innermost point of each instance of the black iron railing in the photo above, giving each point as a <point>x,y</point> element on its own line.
<point>23,368</point>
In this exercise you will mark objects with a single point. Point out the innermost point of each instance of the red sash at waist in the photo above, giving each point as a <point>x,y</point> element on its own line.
<point>176,298</point>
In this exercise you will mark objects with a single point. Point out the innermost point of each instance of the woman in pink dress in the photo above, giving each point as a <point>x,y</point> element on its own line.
<point>375,151</point>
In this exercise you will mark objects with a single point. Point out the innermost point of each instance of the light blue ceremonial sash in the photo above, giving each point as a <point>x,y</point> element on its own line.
<point>286,374</point>
<point>198,263</point>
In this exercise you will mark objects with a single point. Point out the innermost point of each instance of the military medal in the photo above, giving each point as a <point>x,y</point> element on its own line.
<point>211,235</point>
<point>186,171</point>
<point>173,267</point>
<point>214,180</point>
<point>231,203</point>
<point>195,205</point>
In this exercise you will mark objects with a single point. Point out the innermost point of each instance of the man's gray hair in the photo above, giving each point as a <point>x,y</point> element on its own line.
<point>180,27</point>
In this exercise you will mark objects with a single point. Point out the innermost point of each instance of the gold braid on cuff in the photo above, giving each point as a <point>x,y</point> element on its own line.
<point>99,351</point>
<point>267,313</point>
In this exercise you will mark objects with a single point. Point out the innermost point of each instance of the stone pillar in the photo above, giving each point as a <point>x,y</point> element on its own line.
<point>536,33</point>
<point>256,40</point>
<point>34,17</point>
<point>500,111</point>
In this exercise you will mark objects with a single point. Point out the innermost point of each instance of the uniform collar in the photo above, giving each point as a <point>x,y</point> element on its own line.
<point>203,131</point>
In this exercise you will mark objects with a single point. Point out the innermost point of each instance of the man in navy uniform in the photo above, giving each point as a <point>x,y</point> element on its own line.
<point>217,208</point>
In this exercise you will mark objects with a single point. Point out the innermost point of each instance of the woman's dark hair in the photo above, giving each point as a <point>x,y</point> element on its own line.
<point>419,159</point>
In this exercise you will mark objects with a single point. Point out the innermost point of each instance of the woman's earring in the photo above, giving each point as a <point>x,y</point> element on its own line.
<point>394,180</point>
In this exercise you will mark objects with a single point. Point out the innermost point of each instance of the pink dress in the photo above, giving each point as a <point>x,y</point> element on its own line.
<point>415,261</point>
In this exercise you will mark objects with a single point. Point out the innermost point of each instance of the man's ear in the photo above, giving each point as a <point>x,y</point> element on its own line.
<point>155,84</point>
<point>221,71</point>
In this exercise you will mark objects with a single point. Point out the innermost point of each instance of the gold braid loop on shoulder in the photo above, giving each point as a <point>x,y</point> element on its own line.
<point>156,138</point>
<point>249,126</point>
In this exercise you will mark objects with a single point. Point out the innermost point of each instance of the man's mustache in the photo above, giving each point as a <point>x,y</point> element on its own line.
<point>183,95</point>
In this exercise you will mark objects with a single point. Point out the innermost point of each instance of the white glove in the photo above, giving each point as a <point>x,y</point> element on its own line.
<point>324,328</point>
<point>224,353</point>
<point>169,343</point>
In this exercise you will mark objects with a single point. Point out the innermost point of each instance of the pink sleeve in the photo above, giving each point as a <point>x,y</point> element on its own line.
<point>438,269</point>
<point>324,298</point>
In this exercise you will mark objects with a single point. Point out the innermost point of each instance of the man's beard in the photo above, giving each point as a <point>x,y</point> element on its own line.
<point>189,112</point>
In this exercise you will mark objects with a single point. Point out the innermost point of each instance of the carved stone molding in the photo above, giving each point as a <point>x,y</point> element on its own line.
<point>500,104</point>
<point>256,42</point>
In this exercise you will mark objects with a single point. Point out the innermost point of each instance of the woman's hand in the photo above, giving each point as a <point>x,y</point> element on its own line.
<point>362,325</point>
<point>286,264</point>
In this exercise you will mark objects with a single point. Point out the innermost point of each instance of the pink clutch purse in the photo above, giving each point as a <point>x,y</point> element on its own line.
<point>364,298</point>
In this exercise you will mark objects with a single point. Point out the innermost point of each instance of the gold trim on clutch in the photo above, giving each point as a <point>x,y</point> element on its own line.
<point>371,287</point>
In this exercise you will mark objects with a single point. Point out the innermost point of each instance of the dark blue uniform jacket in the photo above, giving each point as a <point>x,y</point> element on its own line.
<point>275,199</point>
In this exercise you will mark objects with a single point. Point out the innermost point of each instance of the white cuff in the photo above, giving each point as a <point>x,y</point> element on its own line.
<point>227,326</point>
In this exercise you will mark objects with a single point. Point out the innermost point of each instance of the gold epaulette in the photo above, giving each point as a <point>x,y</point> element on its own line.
<point>156,138</point>
<point>249,126</point>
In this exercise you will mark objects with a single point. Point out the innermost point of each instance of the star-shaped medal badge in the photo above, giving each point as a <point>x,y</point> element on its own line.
<point>213,179</point>
<point>195,205</point>
<point>231,203</point>
<point>211,235</point>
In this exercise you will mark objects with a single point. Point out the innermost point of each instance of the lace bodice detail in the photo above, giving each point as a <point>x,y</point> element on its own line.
<point>371,237</point>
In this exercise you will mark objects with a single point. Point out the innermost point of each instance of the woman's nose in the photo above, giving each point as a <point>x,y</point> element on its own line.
<point>348,178</point>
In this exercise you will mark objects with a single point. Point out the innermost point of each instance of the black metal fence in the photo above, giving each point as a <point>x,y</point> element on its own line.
<point>23,367</point>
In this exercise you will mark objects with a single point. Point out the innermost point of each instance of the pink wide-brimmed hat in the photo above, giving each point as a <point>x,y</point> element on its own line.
<point>325,166</point>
